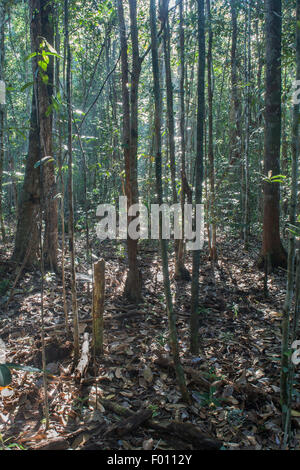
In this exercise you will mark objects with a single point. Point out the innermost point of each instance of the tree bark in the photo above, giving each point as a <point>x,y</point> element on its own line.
<point>212,224</point>
<point>173,339</point>
<point>2,115</point>
<point>286,366</point>
<point>271,243</point>
<point>40,146</point>
<point>98,306</point>
<point>44,94</point>
<point>70,186</point>
<point>194,345</point>
<point>133,283</point>
<point>180,270</point>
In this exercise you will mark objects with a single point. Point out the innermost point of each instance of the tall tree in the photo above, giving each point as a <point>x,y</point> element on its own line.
<point>70,182</point>
<point>235,139</point>
<point>26,239</point>
<point>130,138</point>
<point>199,171</point>
<point>246,207</point>
<point>186,193</point>
<point>158,171</point>
<point>39,172</point>
<point>272,248</point>
<point>44,9</point>
<point>2,112</point>
<point>180,271</point>
<point>210,93</point>
<point>286,366</point>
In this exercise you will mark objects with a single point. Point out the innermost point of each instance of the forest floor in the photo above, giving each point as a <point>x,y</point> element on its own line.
<point>234,382</point>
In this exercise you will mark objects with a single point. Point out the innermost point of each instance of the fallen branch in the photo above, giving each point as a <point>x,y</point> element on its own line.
<point>84,359</point>
<point>130,424</point>
<point>167,363</point>
<point>186,432</point>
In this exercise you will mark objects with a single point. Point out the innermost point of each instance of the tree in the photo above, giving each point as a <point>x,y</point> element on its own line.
<point>186,193</point>
<point>70,183</point>
<point>2,113</point>
<point>199,172</point>
<point>26,239</point>
<point>286,384</point>
<point>130,138</point>
<point>158,172</point>
<point>212,235</point>
<point>44,38</point>
<point>272,248</point>
<point>39,182</point>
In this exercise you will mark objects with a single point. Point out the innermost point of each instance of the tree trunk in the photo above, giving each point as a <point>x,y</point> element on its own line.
<point>26,240</point>
<point>180,270</point>
<point>271,244</point>
<point>286,366</point>
<point>44,93</point>
<point>130,135</point>
<point>40,146</point>
<point>246,221</point>
<point>199,172</point>
<point>2,115</point>
<point>70,187</point>
<point>158,170</point>
<point>212,224</point>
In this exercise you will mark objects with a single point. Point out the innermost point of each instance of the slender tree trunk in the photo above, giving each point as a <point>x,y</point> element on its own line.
<point>235,140</point>
<point>247,125</point>
<point>286,366</point>
<point>2,115</point>
<point>271,244</point>
<point>70,186</point>
<point>213,248</point>
<point>170,106</point>
<point>58,124</point>
<point>158,170</point>
<point>199,172</point>
<point>13,177</point>
<point>130,135</point>
<point>259,118</point>
<point>180,271</point>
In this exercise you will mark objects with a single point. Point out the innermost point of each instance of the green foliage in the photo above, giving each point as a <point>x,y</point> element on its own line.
<point>6,445</point>
<point>5,374</point>
<point>274,179</point>
<point>207,398</point>
<point>155,410</point>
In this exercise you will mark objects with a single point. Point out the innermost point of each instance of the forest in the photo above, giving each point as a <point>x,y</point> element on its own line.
<point>149,225</point>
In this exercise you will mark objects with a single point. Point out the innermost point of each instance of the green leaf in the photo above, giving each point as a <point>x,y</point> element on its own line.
<point>53,54</point>
<point>12,365</point>
<point>5,376</point>
<point>45,57</point>
<point>30,56</point>
<point>27,85</point>
<point>47,159</point>
<point>43,65</point>
<point>45,79</point>
<point>51,48</point>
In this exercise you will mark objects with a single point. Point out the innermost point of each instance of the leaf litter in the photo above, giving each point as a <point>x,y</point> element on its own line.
<point>234,381</point>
